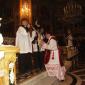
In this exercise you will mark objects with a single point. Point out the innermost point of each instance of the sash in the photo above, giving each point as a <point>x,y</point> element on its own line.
<point>47,56</point>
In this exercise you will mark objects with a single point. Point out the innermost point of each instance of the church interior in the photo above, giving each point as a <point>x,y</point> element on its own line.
<point>64,18</point>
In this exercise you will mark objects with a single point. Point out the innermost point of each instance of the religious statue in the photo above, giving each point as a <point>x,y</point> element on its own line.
<point>69,39</point>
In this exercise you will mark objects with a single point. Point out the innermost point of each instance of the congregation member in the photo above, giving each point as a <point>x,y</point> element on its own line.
<point>52,60</point>
<point>23,43</point>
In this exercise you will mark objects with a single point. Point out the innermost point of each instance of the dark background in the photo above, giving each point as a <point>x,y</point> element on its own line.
<point>47,12</point>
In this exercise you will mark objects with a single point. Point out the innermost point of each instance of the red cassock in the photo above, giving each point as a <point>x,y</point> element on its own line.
<point>53,59</point>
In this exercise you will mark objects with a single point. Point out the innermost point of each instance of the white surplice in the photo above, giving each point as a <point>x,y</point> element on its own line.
<point>23,40</point>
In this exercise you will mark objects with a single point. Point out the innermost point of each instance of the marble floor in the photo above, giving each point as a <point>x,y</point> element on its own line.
<point>54,81</point>
<point>80,72</point>
<point>75,76</point>
<point>43,79</point>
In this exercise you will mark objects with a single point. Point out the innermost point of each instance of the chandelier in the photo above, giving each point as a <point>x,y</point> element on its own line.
<point>72,9</point>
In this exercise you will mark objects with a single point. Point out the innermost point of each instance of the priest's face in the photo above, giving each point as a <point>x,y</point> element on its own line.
<point>28,25</point>
<point>24,22</point>
<point>47,35</point>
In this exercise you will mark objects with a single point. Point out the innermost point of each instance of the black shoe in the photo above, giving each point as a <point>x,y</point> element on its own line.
<point>62,80</point>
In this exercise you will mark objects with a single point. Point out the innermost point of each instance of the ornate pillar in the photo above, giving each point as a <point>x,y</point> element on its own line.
<point>7,65</point>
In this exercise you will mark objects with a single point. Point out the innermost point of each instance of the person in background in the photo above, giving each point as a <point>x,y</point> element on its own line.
<point>41,36</point>
<point>23,43</point>
<point>34,43</point>
<point>41,50</point>
<point>51,59</point>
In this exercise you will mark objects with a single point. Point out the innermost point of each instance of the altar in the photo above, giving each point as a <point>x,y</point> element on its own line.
<point>7,64</point>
